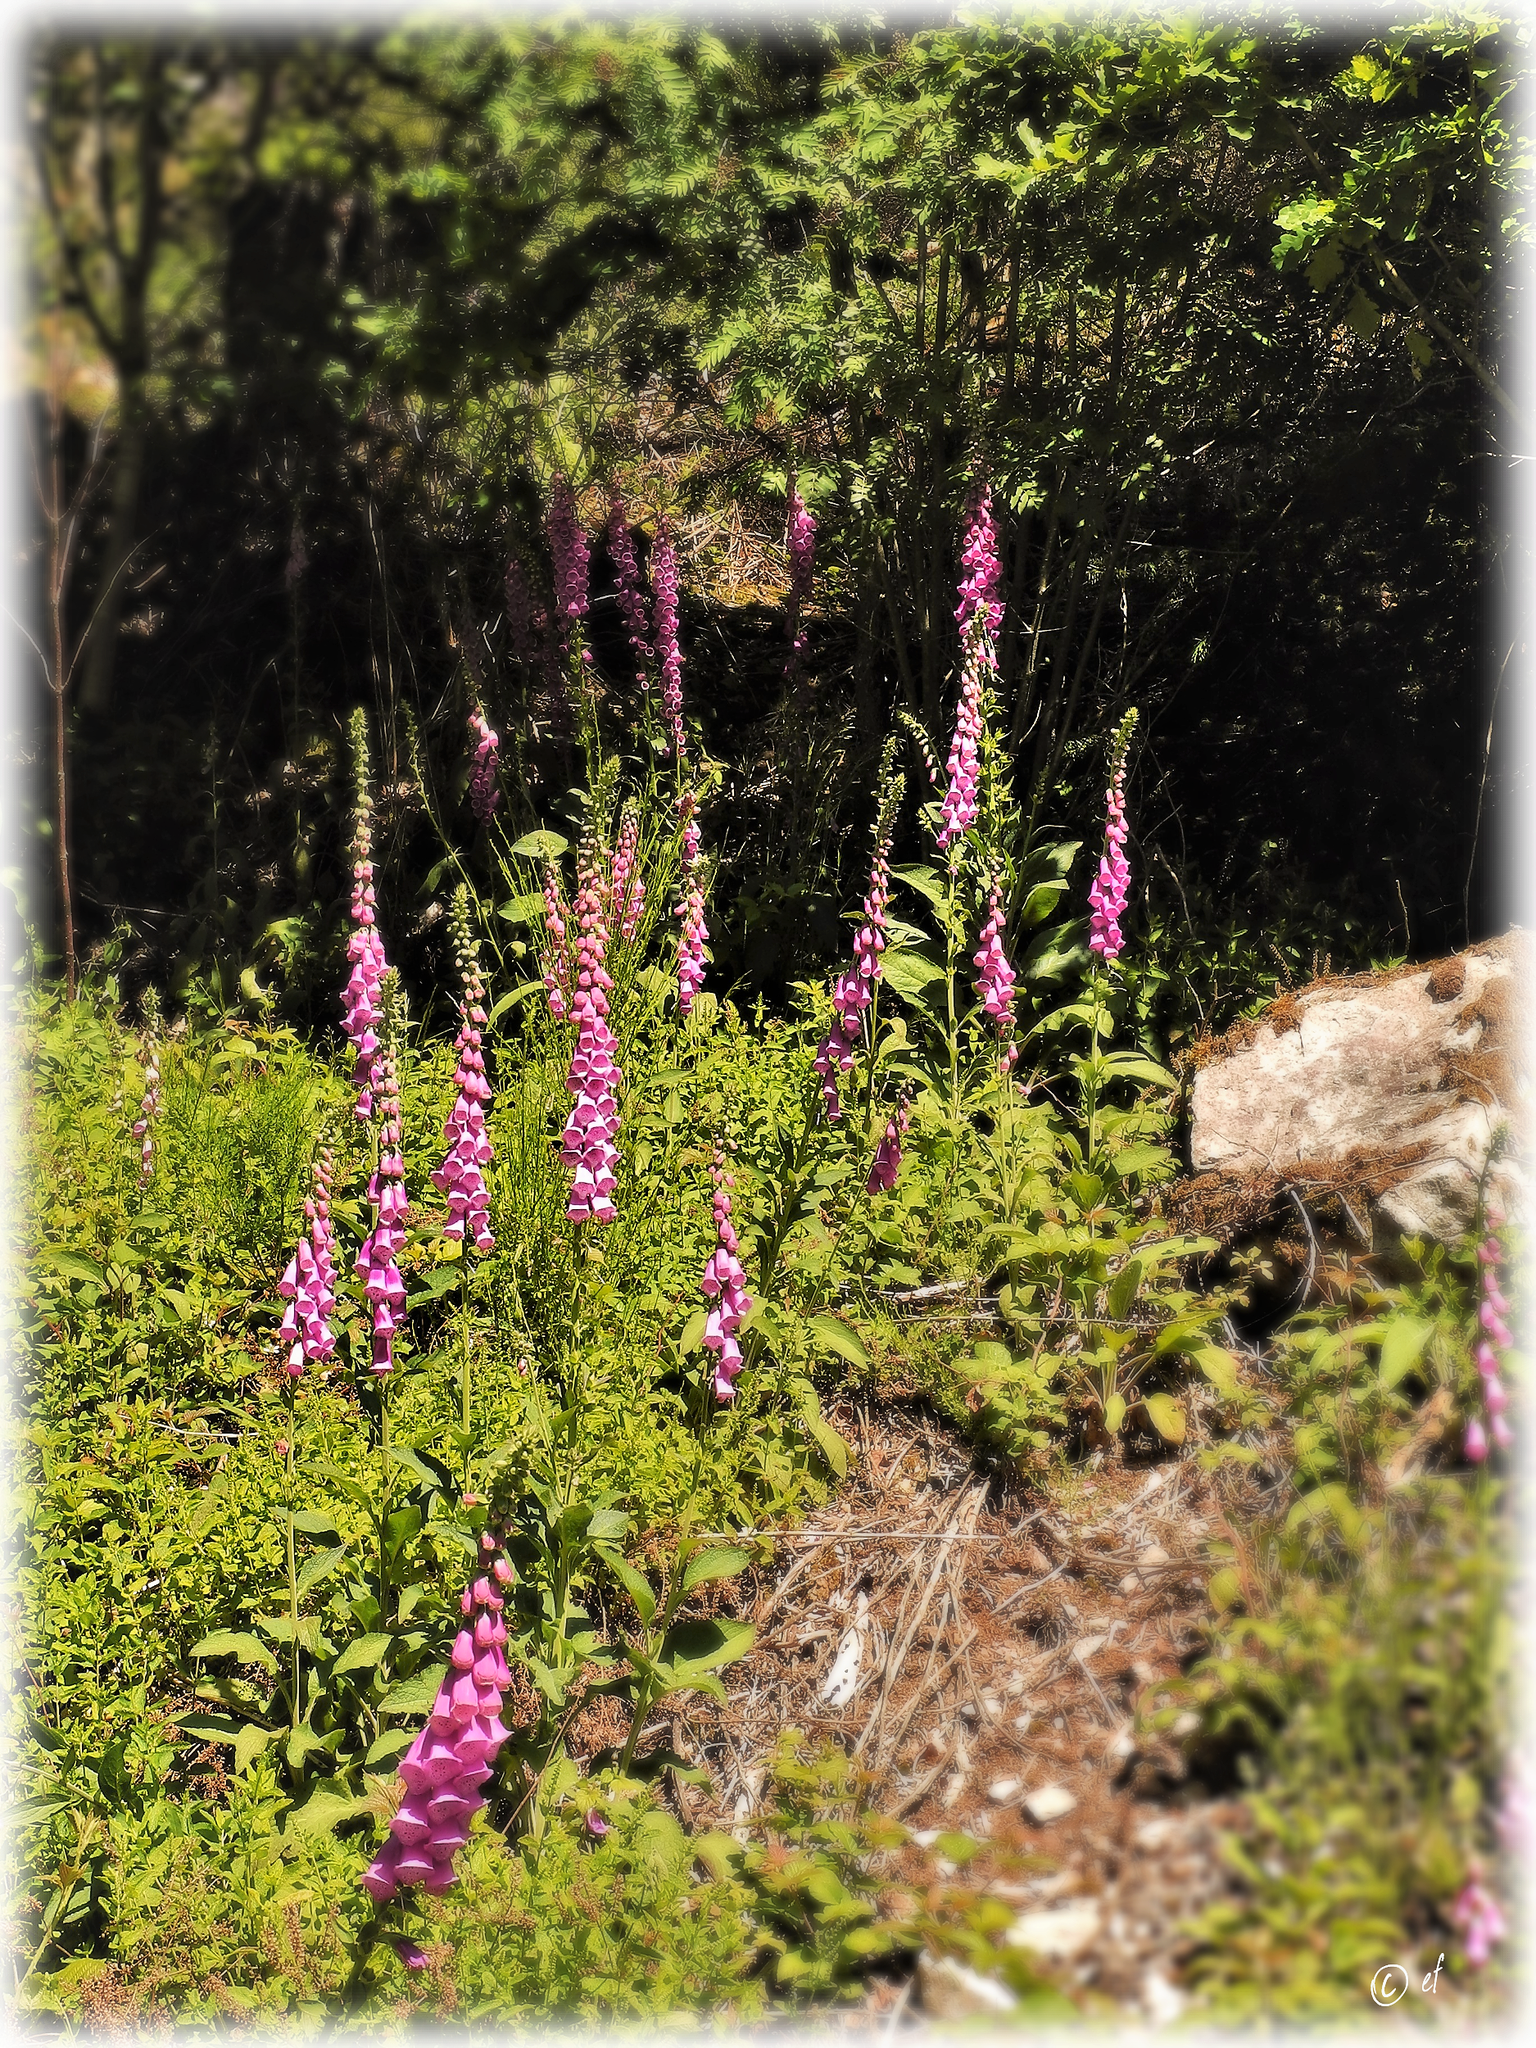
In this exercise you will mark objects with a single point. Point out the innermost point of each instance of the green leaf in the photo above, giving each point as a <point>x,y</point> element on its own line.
<point>1114,1413</point>
<point>211,1727</point>
<point>1168,1417</point>
<point>320,1566</point>
<point>250,1742</point>
<point>634,1582</point>
<point>927,882</point>
<point>226,1642</point>
<point>908,971</point>
<point>693,1332</point>
<point>1225,1589</point>
<point>1218,1366</point>
<point>416,1695</point>
<point>313,1523</point>
<point>1122,1289</point>
<point>386,1747</point>
<point>695,1646</point>
<point>541,846</point>
<point>1402,1347</point>
<point>76,1266</point>
<point>522,909</point>
<point>325,1808</point>
<point>363,1655</point>
<point>829,1443</point>
<point>832,1334</point>
<point>660,1843</point>
<point>720,1562</point>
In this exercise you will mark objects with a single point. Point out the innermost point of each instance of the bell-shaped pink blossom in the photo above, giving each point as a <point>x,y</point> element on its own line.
<point>982,568</point>
<point>589,1145</point>
<point>149,1110</point>
<point>626,892</point>
<point>724,1288</point>
<point>960,805</point>
<point>362,1014</point>
<point>1479,1918</point>
<point>461,1177</point>
<point>448,1762</point>
<point>484,796</point>
<point>853,991</point>
<point>1495,1339</point>
<point>693,934</point>
<point>668,652</point>
<point>887,1163</point>
<point>994,977</point>
<point>309,1284</point>
<point>557,956</point>
<point>378,1258</point>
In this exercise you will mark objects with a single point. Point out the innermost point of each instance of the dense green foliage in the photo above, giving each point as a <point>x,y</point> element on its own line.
<point>1210,307</point>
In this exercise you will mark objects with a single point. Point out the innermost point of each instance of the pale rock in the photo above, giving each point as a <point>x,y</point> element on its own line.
<point>1001,1790</point>
<point>1163,2001</point>
<point>1129,1583</point>
<point>1047,1803</point>
<point>1059,1933</point>
<point>948,1990</point>
<point>1152,1559</point>
<point>1373,1067</point>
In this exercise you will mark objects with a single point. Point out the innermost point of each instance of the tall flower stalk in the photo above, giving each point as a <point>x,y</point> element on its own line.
<point>461,1177</point>
<point>724,1287</point>
<point>378,1260</point>
<point>1107,900</point>
<point>668,652</point>
<point>995,986</point>
<point>854,993</point>
<point>627,883</point>
<point>589,1144</point>
<point>309,1283</point>
<point>557,951</point>
<point>631,592</point>
<point>800,545</point>
<point>484,796</point>
<point>365,948</point>
<point>693,933</point>
<point>452,1757</point>
<point>1493,1342</point>
<point>149,1105</point>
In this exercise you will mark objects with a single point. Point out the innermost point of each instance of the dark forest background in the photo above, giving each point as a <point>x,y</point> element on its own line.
<point>1220,308</point>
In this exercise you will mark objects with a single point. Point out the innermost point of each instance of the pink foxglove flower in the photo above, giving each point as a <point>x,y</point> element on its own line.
<point>450,1760</point>
<point>365,949</point>
<point>557,953</point>
<point>960,807</point>
<point>693,934</point>
<point>461,1177</point>
<point>626,569</point>
<point>800,540</point>
<point>994,977</point>
<point>309,1284</point>
<point>1495,1340</point>
<point>149,1109</point>
<point>378,1259</point>
<point>853,991</point>
<point>882,1175</point>
<point>589,1145</point>
<point>983,568</point>
<point>627,893</point>
<point>484,796</point>
<point>571,558</point>
<point>1112,885</point>
<point>669,654</point>
<point>594,1823</point>
<point>1476,1914</point>
<point>724,1287</point>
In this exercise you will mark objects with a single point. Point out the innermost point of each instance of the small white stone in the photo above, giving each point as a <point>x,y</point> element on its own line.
<point>1001,1790</point>
<point>1164,2002</point>
<point>926,1837</point>
<point>1088,1647</point>
<point>1186,1724</point>
<point>949,1991</point>
<point>1059,1933</point>
<point>1152,1558</point>
<point>1022,1721</point>
<point>1154,1834</point>
<point>1130,1583</point>
<point>1047,1803</point>
<point>954,1785</point>
<point>1122,1746</point>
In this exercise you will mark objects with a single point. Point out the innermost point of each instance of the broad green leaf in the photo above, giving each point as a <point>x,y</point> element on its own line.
<point>415,1695</point>
<point>1168,1417</point>
<point>1114,1413</point>
<point>251,1741</point>
<point>320,1566</point>
<point>1122,1289</point>
<point>693,1332</point>
<point>706,1645</point>
<point>314,1523</point>
<point>325,1808</point>
<point>363,1655</point>
<point>76,1266</point>
<point>1218,1366</point>
<point>660,1843</point>
<point>829,1443</point>
<point>541,846</point>
<point>1225,1589</point>
<point>211,1727</point>
<point>226,1642</point>
<point>634,1582</point>
<point>927,882</point>
<point>1402,1347</point>
<point>832,1334</point>
<point>908,971</point>
<point>719,1562</point>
